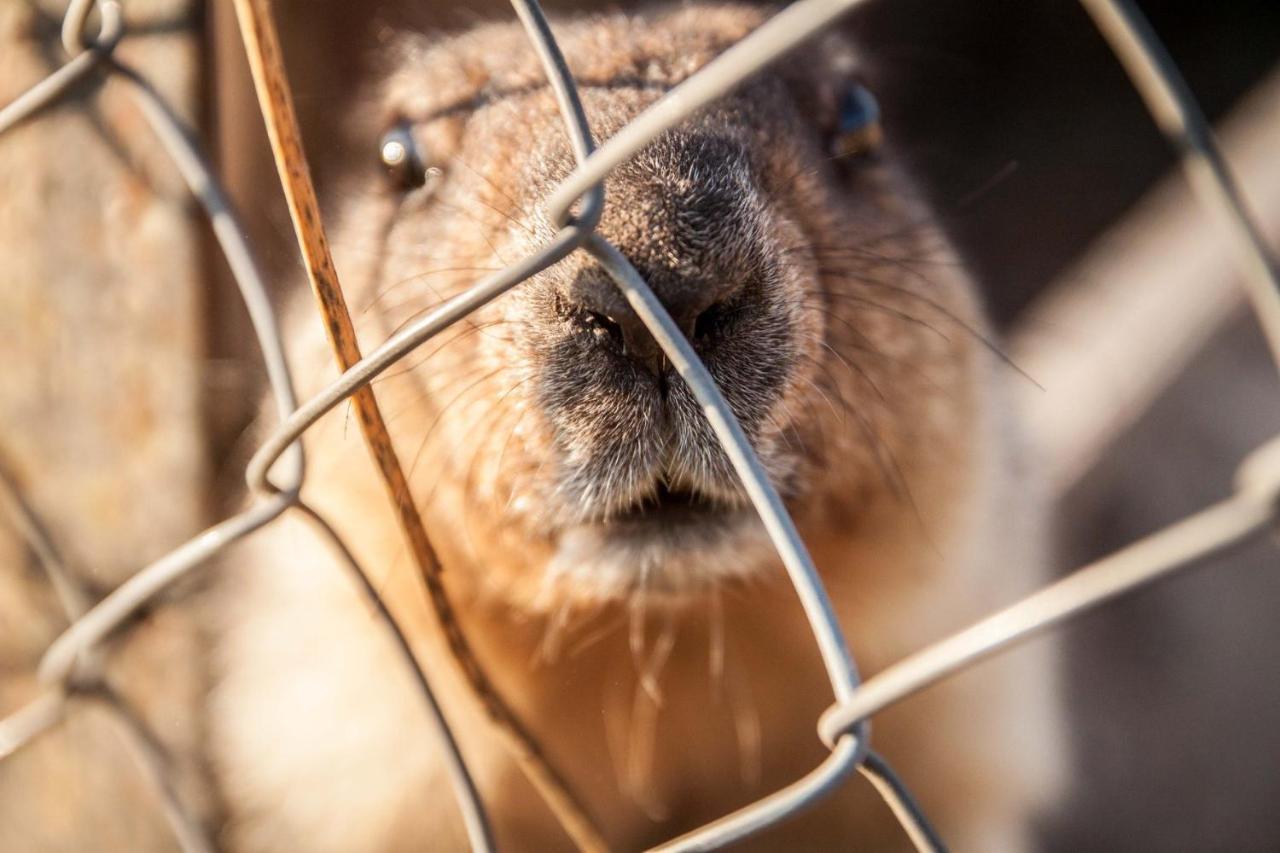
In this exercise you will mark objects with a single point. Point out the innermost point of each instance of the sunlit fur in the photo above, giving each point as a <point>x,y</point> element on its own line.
<point>668,672</point>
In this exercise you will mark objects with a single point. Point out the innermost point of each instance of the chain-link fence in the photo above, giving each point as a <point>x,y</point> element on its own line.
<point>70,667</point>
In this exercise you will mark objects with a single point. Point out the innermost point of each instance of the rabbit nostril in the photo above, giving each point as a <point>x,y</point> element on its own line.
<point>603,324</point>
<point>708,321</point>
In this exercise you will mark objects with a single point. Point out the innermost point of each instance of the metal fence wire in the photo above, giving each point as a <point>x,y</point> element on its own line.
<point>69,669</point>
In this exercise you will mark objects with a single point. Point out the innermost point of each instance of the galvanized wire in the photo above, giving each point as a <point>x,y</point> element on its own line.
<point>1156,77</point>
<point>844,727</point>
<point>155,763</point>
<point>30,721</point>
<point>479,830</point>
<point>1204,534</point>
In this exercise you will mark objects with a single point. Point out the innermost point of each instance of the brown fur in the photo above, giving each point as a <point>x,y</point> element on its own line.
<point>670,675</point>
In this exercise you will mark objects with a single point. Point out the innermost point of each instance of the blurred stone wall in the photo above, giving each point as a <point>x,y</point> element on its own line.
<point>101,383</point>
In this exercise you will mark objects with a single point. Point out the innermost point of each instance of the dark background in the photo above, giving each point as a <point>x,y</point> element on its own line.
<point>1025,129</point>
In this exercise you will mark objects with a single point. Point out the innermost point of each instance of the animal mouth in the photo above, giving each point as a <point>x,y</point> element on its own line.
<point>673,540</point>
<point>668,505</point>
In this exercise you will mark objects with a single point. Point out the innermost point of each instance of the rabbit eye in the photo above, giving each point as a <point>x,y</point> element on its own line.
<point>857,129</point>
<point>399,153</point>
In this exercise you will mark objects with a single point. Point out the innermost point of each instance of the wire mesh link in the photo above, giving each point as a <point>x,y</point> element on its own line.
<point>276,471</point>
<point>83,59</point>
